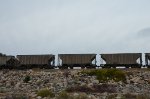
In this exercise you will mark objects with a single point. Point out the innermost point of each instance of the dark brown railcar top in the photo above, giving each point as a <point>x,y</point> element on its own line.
<point>121,58</point>
<point>77,58</point>
<point>35,59</point>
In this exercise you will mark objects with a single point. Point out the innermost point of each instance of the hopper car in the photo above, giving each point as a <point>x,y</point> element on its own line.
<point>77,60</point>
<point>133,60</point>
<point>65,61</point>
<point>36,61</point>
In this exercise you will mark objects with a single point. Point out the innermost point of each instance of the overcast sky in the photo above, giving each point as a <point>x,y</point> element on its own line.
<point>74,26</point>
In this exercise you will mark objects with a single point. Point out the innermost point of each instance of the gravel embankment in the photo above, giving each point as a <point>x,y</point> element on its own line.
<point>12,82</point>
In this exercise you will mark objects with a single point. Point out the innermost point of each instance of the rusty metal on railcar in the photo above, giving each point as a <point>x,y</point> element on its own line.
<point>37,61</point>
<point>122,59</point>
<point>77,60</point>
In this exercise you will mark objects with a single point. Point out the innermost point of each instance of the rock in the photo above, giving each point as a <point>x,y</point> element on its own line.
<point>8,84</point>
<point>128,81</point>
<point>141,81</point>
<point>92,97</point>
<point>135,80</point>
<point>90,85</point>
<point>125,90</point>
<point>104,95</point>
<point>39,97</point>
<point>38,82</point>
<point>33,95</point>
<point>95,81</point>
<point>75,94</point>
<point>118,96</point>
<point>17,85</point>
<point>83,84</point>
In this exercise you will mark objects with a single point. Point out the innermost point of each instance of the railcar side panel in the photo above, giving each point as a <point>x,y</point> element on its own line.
<point>122,58</point>
<point>79,59</point>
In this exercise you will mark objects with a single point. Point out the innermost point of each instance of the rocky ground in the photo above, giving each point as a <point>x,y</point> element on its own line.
<point>13,84</point>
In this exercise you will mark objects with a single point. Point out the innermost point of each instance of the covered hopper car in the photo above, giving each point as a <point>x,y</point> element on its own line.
<point>36,61</point>
<point>77,60</point>
<point>122,59</point>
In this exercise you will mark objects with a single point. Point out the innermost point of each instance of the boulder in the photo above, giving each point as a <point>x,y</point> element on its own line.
<point>95,81</point>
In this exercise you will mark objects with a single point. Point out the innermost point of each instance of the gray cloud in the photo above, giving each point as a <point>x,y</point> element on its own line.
<point>81,26</point>
<point>144,33</point>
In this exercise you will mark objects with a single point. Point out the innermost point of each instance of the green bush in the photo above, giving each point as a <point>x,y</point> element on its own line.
<point>27,79</point>
<point>119,76</point>
<point>45,93</point>
<point>104,75</point>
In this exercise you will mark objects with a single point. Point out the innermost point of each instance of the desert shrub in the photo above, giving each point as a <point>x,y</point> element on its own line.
<point>89,72</point>
<point>63,95</point>
<point>45,93</point>
<point>116,75</point>
<point>27,79</point>
<point>128,96</point>
<point>104,75</point>
<point>128,73</point>
<point>81,96</point>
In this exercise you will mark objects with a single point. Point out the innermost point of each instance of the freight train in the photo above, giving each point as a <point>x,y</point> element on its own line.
<point>65,61</point>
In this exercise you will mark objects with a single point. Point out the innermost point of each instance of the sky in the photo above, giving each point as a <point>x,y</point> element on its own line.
<point>74,26</point>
